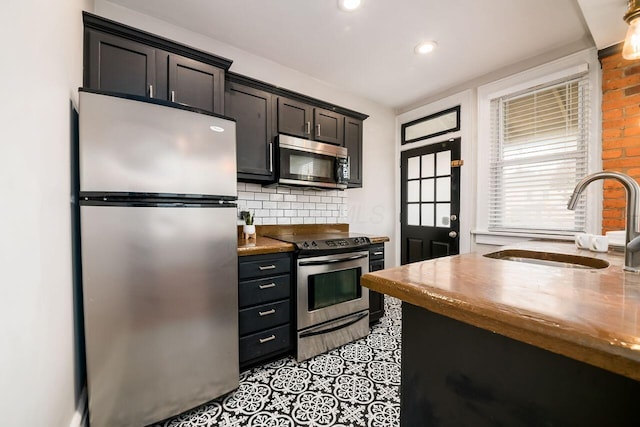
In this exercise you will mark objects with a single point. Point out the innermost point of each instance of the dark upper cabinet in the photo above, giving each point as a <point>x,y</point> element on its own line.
<point>123,59</point>
<point>306,121</point>
<point>120,65</point>
<point>328,126</point>
<point>253,112</point>
<point>196,84</point>
<point>294,117</point>
<point>353,143</point>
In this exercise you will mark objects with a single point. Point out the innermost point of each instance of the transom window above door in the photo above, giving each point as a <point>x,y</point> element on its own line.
<point>442,122</point>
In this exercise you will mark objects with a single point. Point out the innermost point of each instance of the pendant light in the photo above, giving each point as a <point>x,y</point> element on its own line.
<point>631,48</point>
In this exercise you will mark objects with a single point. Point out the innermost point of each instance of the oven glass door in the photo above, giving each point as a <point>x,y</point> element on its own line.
<point>334,287</point>
<point>329,287</point>
<point>300,167</point>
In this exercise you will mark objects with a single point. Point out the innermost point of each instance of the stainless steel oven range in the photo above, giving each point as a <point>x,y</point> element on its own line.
<point>332,308</point>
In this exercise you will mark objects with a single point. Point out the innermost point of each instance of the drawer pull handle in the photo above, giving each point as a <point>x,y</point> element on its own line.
<point>270,285</point>
<point>266,267</point>
<point>267,339</point>
<point>266,313</point>
<point>378,253</point>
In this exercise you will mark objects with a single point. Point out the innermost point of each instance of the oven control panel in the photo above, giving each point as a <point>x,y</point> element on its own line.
<point>350,242</point>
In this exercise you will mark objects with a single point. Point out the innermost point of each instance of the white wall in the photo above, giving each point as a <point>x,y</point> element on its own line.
<point>371,209</point>
<point>41,70</point>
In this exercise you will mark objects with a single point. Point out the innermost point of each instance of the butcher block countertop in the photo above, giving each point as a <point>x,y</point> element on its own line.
<point>588,315</point>
<point>261,244</point>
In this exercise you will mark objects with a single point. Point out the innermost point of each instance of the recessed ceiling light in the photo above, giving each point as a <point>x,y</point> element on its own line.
<point>349,5</point>
<point>216,128</point>
<point>425,47</point>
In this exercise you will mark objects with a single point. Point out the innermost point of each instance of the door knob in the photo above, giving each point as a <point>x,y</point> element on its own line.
<point>453,234</point>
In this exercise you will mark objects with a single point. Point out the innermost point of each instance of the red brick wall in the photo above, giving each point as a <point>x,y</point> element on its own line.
<point>620,131</point>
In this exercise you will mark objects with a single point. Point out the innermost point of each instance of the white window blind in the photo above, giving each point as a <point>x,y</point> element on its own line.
<point>538,153</point>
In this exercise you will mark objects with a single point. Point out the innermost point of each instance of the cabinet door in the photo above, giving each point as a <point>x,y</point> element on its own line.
<point>252,110</point>
<point>328,126</point>
<point>196,84</point>
<point>120,65</point>
<point>353,143</point>
<point>294,118</point>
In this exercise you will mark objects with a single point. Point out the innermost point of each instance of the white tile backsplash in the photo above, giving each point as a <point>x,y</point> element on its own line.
<point>284,205</point>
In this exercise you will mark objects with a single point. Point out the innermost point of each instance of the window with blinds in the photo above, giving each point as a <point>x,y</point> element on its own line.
<point>538,152</point>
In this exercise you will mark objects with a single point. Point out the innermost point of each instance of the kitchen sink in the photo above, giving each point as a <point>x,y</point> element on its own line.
<point>550,259</point>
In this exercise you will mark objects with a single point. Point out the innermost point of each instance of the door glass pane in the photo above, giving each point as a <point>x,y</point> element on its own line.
<point>427,215</point>
<point>443,189</point>
<point>444,163</point>
<point>428,190</point>
<point>427,165</point>
<point>443,212</point>
<point>413,168</point>
<point>413,191</point>
<point>431,125</point>
<point>413,214</point>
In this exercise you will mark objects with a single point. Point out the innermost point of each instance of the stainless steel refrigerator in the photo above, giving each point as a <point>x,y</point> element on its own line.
<point>159,257</point>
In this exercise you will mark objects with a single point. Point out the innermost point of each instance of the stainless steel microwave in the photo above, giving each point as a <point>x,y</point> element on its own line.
<point>311,164</point>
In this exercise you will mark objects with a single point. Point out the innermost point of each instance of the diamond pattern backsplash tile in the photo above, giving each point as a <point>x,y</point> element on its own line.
<point>355,385</point>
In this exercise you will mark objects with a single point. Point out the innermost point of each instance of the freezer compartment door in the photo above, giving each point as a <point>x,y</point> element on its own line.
<point>139,147</point>
<point>161,310</point>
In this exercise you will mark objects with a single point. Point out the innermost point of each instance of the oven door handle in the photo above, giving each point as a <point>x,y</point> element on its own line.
<point>325,330</point>
<point>332,261</point>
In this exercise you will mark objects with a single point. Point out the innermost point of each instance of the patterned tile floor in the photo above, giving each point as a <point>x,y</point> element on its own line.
<point>355,385</point>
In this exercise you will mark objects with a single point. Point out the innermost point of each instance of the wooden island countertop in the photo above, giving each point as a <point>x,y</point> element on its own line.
<point>592,316</point>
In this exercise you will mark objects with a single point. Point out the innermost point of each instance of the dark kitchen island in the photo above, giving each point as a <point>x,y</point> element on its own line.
<point>488,342</point>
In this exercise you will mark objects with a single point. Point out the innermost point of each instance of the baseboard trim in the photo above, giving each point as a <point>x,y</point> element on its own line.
<point>79,418</point>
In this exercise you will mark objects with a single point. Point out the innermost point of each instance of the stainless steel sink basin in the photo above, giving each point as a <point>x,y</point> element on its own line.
<point>550,259</point>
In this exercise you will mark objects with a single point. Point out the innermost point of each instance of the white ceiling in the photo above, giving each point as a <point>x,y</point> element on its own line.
<point>369,52</point>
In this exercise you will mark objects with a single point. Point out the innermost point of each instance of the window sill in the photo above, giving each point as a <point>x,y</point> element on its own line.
<point>500,238</point>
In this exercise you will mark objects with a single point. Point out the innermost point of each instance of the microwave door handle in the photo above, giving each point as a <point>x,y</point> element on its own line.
<point>332,261</point>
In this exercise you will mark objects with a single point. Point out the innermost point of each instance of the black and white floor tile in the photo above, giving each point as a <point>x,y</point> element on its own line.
<point>355,385</point>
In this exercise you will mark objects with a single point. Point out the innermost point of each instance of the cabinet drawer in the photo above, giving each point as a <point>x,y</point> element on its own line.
<point>376,265</point>
<point>264,343</point>
<point>376,252</point>
<point>262,267</point>
<point>264,316</point>
<point>260,291</point>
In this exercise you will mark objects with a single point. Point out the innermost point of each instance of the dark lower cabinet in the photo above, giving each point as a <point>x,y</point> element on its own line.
<point>252,110</point>
<point>455,374</point>
<point>353,144</point>
<point>265,316</point>
<point>376,299</point>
